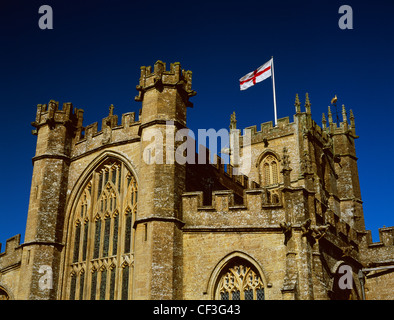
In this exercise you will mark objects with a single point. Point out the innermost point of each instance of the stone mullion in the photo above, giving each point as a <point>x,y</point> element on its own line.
<point>121,228</point>
<point>118,204</point>
<point>91,231</point>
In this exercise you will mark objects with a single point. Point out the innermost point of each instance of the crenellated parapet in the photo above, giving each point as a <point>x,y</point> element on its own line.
<point>258,212</point>
<point>255,212</point>
<point>176,77</point>
<point>268,131</point>
<point>347,126</point>
<point>12,256</point>
<point>82,139</point>
<point>304,119</point>
<point>90,138</point>
<point>381,252</point>
<point>50,114</point>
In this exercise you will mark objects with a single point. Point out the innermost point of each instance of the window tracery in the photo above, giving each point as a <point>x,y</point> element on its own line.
<point>101,240</point>
<point>270,170</point>
<point>240,281</point>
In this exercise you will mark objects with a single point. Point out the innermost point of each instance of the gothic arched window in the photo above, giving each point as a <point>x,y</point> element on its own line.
<point>101,242</point>
<point>269,170</point>
<point>239,280</point>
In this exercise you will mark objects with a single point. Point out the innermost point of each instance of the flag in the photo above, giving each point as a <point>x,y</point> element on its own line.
<point>258,75</point>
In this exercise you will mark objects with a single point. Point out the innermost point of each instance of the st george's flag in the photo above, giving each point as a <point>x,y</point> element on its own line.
<point>258,75</point>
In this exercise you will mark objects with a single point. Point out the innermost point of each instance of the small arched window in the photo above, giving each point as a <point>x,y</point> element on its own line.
<point>239,280</point>
<point>270,170</point>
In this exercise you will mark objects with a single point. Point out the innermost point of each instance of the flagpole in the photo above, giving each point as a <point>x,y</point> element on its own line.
<point>273,87</point>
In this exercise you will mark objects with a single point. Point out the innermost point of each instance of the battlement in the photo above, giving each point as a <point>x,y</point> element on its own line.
<point>175,77</point>
<point>381,252</point>
<point>327,135</point>
<point>283,127</point>
<point>12,255</point>
<point>268,130</point>
<point>344,127</point>
<point>90,138</point>
<point>223,200</point>
<point>87,138</point>
<point>51,114</point>
<point>256,210</point>
<point>386,237</point>
<point>260,210</point>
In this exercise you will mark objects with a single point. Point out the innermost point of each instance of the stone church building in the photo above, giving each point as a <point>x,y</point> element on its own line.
<point>106,220</point>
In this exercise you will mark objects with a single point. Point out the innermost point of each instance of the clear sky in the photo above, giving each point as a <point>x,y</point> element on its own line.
<point>93,54</point>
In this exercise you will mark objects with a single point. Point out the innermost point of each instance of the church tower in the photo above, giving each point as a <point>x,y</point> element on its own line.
<point>55,130</point>
<point>158,238</point>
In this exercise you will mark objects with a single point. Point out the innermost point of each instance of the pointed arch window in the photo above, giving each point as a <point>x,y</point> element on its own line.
<point>101,235</point>
<point>73,286</point>
<point>270,170</point>
<point>239,280</point>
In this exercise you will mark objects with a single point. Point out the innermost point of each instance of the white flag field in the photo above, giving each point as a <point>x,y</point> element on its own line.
<point>256,76</point>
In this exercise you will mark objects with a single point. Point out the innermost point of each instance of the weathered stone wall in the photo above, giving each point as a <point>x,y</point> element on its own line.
<point>379,285</point>
<point>204,250</point>
<point>378,259</point>
<point>10,262</point>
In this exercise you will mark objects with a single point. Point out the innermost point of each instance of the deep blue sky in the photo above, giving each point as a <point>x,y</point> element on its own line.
<point>93,55</point>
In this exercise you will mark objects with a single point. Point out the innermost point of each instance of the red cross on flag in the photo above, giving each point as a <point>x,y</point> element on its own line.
<point>256,76</point>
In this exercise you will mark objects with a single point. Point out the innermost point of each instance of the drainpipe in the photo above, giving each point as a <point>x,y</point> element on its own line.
<point>364,270</point>
<point>362,281</point>
<point>377,268</point>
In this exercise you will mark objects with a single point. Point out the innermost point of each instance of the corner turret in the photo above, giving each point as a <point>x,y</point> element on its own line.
<point>165,98</point>
<point>56,131</point>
